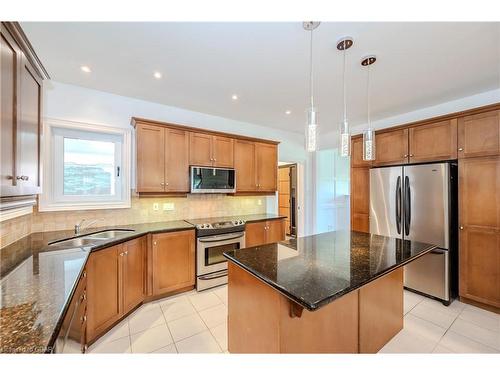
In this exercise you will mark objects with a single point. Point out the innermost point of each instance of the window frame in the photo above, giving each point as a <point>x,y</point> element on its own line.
<point>51,198</point>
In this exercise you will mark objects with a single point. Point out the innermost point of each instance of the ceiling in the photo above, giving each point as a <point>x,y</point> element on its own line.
<point>266,65</point>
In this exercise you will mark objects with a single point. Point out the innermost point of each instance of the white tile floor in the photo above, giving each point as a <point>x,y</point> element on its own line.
<point>197,323</point>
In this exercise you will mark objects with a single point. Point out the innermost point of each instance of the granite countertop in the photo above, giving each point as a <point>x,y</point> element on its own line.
<point>315,270</point>
<point>38,280</point>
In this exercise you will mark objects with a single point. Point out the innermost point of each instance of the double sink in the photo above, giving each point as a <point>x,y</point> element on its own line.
<point>90,239</point>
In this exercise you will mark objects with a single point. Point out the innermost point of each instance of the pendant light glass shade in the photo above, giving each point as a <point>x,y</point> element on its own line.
<point>311,130</point>
<point>369,144</point>
<point>345,135</point>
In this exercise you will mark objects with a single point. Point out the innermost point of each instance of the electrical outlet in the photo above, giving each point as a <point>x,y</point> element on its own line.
<point>156,206</point>
<point>168,206</point>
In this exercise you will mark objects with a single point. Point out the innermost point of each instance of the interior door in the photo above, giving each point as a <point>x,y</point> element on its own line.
<point>150,158</point>
<point>426,217</point>
<point>176,160</point>
<point>386,212</point>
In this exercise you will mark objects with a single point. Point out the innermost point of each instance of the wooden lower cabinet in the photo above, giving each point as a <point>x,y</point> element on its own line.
<point>103,291</point>
<point>173,256</point>
<point>264,232</point>
<point>133,271</point>
<point>480,265</point>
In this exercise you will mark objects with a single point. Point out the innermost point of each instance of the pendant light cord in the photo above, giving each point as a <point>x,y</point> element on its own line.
<point>311,84</point>
<point>344,86</point>
<point>368,98</point>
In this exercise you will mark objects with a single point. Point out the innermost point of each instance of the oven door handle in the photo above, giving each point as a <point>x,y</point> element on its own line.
<point>214,275</point>
<point>220,238</point>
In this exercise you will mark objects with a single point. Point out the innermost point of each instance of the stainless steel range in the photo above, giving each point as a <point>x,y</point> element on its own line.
<point>214,236</point>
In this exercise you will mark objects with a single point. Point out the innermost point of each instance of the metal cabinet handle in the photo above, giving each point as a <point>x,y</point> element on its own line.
<point>154,243</point>
<point>166,183</point>
<point>460,149</point>
<point>461,227</point>
<point>411,155</point>
<point>23,178</point>
<point>162,183</point>
<point>405,156</point>
<point>84,318</point>
<point>126,252</point>
<point>84,274</point>
<point>121,254</point>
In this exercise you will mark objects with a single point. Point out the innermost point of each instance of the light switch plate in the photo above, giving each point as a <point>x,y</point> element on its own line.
<point>168,206</point>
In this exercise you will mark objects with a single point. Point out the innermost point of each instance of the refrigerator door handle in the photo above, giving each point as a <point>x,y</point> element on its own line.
<point>407,203</point>
<point>398,205</point>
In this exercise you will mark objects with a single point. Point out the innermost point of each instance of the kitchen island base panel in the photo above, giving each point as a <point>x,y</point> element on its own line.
<point>262,320</point>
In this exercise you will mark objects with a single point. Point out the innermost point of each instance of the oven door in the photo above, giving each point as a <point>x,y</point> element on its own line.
<point>210,251</point>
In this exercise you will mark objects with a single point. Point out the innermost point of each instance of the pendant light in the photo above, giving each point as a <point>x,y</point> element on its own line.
<point>311,127</point>
<point>345,135</point>
<point>369,133</point>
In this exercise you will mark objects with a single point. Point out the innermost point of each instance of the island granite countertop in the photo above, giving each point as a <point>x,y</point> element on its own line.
<point>315,270</point>
<point>37,281</point>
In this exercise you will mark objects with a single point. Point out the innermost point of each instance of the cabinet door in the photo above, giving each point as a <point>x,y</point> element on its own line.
<point>357,153</point>
<point>150,158</point>
<point>480,265</point>
<point>479,135</point>
<point>255,234</point>
<point>176,160</point>
<point>133,273</point>
<point>173,261</point>
<point>223,151</point>
<point>267,166</point>
<point>200,149</point>
<point>28,130</point>
<point>103,290</point>
<point>360,199</point>
<point>433,142</point>
<point>479,182</point>
<point>391,147</point>
<point>244,164</point>
<point>10,56</point>
<point>275,231</point>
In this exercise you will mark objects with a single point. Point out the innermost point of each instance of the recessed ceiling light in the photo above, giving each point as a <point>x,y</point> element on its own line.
<point>234,97</point>
<point>287,112</point>
<point>157,75</point>
<point>85,69</point>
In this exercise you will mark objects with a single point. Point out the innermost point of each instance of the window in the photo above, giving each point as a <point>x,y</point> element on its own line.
<point>85,167</point>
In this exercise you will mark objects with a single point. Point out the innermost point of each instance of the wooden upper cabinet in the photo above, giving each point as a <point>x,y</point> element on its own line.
<point>433,142</point>
<point>266,166</point>
<point>150,141</point>
<point>103,290</point>
<point>244,164</point>
<point>200,149</point>
<point>357,153</point>
<point>20,119</point>
<point>176,160</point>
<point>479,135</point>
<point>133,263</point>
<point>391,147</point>
<point>173,261</point>
<point>223,151</point>
<point>29,128</point>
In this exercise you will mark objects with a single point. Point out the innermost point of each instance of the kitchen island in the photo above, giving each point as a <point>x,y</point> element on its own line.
<point>335,292</point>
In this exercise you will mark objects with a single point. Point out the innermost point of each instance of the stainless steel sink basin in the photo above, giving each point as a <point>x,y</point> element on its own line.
<point>91,239</point>
<point>108,234</point>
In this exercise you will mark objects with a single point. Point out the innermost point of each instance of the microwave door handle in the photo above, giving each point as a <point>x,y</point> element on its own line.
<point>398,205</point>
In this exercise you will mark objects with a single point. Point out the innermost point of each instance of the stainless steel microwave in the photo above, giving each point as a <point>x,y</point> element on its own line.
<point>213,180</point>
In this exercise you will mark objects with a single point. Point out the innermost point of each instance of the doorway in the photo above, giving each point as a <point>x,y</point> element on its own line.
<point>287,197</point>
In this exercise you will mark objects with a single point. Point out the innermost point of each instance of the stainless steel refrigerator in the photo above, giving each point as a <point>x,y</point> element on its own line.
<point>419,202</point>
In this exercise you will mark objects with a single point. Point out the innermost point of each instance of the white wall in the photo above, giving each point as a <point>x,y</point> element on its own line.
<point>75,103</point>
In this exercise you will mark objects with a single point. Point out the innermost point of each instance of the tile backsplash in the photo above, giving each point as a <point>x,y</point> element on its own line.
<point>142,211</point>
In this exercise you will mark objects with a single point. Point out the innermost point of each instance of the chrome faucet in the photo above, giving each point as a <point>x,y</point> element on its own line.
<point>80,225</point>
